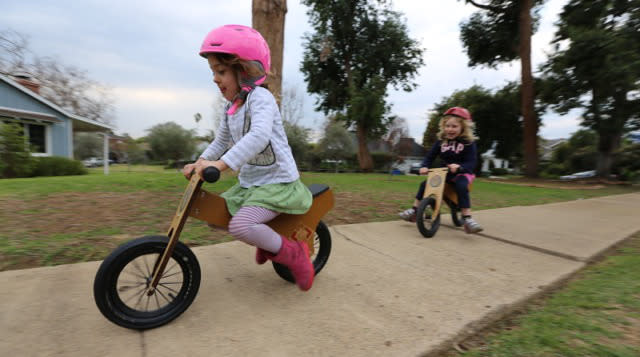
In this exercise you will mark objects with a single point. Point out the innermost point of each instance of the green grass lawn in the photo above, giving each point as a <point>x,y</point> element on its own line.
<point>57,220</point>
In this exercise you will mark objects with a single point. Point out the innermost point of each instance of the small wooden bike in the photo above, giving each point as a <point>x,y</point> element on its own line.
<point>428,211</point>
<point>149,281</point>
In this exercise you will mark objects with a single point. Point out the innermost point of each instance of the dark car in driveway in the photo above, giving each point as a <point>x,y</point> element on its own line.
<point>415,168</point>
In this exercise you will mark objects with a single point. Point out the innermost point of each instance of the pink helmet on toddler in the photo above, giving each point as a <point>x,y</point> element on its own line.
<point>459,112</point>
<point>245,43</point>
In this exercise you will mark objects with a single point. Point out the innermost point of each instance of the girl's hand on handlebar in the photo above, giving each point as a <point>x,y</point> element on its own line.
<point>423,171</point>
<point>203,164</point>
<point>453,167</point>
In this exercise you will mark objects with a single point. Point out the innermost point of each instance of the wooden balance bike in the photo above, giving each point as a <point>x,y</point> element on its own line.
<point>149,281</point>
<point>437,190</point>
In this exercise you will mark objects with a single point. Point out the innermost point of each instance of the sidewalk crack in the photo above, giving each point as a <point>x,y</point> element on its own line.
<point>375,250</point>
<point>143,345</point>
<point>530,247</point>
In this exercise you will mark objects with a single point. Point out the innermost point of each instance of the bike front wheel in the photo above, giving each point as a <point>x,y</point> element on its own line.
<point>120,285</point>
<point>427,224</point>
<point>322,248</point>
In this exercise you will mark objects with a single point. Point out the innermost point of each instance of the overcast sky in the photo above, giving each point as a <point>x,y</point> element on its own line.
<point>146,51</point>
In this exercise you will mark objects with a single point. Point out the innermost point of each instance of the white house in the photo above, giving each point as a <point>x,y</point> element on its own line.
<point>489,160</point>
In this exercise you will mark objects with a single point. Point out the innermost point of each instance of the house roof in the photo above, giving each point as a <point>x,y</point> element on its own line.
<point>26,114</point>
<point>81,122</point>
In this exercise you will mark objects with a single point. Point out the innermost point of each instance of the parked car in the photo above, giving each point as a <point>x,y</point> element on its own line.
<point>579,175</point>
<point>94,162</point>
<point>415,168</point>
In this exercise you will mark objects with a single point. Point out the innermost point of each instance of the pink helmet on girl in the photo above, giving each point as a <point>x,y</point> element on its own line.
<point>459,112</point>
<point>242,41</point>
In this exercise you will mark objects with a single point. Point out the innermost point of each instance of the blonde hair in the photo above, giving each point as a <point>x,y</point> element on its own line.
<point>467,128</point>
<point>239,65</point>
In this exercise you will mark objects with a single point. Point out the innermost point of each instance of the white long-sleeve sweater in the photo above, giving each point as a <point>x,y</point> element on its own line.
<point>253,141</point>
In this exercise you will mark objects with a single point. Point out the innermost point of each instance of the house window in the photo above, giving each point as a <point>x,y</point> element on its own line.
<point>36,134</point>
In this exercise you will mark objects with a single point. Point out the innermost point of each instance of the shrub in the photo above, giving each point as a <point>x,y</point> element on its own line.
<point>15,158</point>
<point>382,161</point>
<point>627,163</point>
<point>497,171</point>
<point>555,169</point>
<point>57,166</point>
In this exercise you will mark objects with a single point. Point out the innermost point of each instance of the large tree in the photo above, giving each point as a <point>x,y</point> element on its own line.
<point>268,18</point>
<point>502,32</point>
<point>358,48</point>
<point>596,66</point>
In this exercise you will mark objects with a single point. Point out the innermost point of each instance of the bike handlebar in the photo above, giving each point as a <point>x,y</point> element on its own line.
<point>211,174</point>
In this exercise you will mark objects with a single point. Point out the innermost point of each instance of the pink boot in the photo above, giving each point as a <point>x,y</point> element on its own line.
<point>262,256</point>
<point>295,255</point>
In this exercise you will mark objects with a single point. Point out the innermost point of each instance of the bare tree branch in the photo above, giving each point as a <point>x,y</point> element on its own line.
<point>292,105</point>
<point>485,7</point>
<point>67,86</point>
<point>13,48</point>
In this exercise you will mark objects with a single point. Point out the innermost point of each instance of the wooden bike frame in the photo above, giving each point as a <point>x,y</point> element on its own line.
<point>211,208</point>
<point>437,188</point>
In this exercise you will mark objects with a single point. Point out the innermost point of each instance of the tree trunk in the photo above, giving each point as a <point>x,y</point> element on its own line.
<point>530,123</point>
<point>607,145</point>
<point>603,166</point>
<point>364,157</point>
<point>268,18</point>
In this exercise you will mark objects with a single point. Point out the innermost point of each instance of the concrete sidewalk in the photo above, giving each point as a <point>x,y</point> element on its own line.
<point>385,291</point>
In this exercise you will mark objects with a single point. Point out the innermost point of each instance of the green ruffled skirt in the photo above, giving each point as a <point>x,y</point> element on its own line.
<point>292,198</point>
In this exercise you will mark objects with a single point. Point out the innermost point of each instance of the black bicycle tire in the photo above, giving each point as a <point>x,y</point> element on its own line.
<point>456,216</point>
<point>427,232</point>
<point>105,284</point>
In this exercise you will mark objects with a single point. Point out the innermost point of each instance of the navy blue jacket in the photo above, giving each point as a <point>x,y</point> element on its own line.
<point>457,151</point>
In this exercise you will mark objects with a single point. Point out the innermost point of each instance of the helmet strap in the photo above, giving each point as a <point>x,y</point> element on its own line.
<point>247,84</point>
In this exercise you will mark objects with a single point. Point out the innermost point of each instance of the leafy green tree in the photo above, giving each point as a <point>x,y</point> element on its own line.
<point>577,154</point>
<point>169,141</point>
<point>627,162</point>
<point>596,66</point>
<point>87,145</point>
<point>298,138</point>
<point>430,135</point>
<point>336,143</point>
<point>135,153</point>
<point>358,48</point>
<point>15,158</point>
<point>501,33</point>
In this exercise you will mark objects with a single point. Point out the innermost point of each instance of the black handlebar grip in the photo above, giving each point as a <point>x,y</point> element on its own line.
<point>211,174</point>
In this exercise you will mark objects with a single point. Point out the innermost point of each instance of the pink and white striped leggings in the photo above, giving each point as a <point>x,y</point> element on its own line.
<point>248,226</point>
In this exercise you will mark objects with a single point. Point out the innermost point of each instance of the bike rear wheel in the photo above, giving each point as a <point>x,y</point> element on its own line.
<point>455,213</point>
<point>427,225</point>
<point>322,248</point>
<point>121,283</point>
